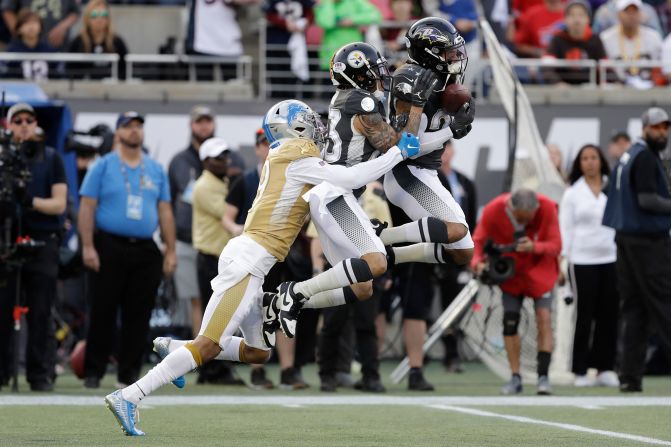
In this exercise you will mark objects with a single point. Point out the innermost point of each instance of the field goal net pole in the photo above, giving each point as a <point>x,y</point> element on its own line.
<point>457,308</point>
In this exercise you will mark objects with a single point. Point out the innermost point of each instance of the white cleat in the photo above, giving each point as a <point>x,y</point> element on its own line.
<point>125,412</point>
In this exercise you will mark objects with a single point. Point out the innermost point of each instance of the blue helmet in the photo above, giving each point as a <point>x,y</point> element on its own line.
<point>293,119</point>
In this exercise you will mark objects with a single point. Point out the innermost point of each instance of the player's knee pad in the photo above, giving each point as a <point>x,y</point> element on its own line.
<point>510,322</point>
<point>360,270</point>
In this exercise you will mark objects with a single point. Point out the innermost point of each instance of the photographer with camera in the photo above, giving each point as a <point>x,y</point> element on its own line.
<point>517,242</point>
<point>40,204</point>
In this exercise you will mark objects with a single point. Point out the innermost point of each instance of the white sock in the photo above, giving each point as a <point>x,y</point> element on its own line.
<point>349,271</point>
<point>428,253</point>
<point>426,229</point>
<point>176,344</point>
<point>329,298</point>
<point>175,364</point>
<point>231,351</point>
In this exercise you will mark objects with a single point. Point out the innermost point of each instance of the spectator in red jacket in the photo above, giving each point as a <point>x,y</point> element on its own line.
<point>535,28</point>
<point>527,222</point>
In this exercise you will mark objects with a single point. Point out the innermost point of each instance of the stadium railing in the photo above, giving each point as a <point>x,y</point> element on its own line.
<point>153,67</point>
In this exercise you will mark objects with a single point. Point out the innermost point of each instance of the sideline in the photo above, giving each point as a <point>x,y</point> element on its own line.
<point>284,400</point>
<point>571,427</point>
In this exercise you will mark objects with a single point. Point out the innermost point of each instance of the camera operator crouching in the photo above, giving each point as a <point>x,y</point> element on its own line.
<point>40,204</point>
<point>517,242</point>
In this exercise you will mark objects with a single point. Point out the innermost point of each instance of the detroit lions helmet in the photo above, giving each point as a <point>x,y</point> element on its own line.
<point>293,119</point>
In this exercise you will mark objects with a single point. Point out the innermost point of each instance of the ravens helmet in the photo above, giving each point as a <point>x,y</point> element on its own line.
<point>359,65</point>
<point>434,43</point>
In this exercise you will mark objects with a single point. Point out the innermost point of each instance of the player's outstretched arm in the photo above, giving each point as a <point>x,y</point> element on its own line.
<point>314,171</point>
<point>377,131</point>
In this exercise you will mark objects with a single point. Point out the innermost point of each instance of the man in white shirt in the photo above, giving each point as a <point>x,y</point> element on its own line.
<point>629,41</point>
<point>666,58</point>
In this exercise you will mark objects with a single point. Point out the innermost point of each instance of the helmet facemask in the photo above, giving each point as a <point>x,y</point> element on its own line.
<point>308,125</point>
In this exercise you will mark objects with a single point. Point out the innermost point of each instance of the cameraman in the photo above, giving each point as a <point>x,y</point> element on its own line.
<point>41,204</point>
<point>523,226</point>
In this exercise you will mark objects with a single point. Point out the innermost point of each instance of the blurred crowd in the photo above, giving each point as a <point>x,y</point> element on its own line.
<point>133,287</point>
<point>298,33</point>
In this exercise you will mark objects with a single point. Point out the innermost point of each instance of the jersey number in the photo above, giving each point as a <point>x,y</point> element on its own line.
<point>265,172</point>
<point>439,120</point>
<point>334,148</point>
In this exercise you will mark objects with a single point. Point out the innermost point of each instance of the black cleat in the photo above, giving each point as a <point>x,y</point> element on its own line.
<point>271,322</point>
<point>378,226</point>
<point>370,385</point>
<point>260,381</point>
<point>290,304</point>
<point>417,382</point>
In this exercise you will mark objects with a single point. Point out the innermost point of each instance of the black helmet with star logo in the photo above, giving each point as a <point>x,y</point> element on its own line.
<point>435,43</point>
<point>358,65</point>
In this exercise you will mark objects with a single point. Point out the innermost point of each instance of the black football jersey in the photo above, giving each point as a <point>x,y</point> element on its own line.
<point>437,119</point>
<point>346,146</point>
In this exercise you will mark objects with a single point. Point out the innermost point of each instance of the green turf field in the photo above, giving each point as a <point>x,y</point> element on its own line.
<point>237,416</point>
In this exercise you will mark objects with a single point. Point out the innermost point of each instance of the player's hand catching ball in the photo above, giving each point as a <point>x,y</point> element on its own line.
<point>461,122</point>
<point>423,88</point>
<point>408,145</point>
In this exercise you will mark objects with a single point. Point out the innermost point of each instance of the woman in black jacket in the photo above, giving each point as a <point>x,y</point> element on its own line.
<point>97,37</point>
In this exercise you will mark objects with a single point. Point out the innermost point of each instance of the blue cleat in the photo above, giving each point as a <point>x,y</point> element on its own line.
<point>125,412</point>
<point>161,345</point>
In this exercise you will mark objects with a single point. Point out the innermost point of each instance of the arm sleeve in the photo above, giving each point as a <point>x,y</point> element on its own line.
<point>209,202</point>
<point>164,194</point>
<point>666,55</point>
<point>325,16</point>
<point>566,222</point>
<point>549,237</point>
<point>236,195</point>
<point>431,141</point>
<point>92,180</point>
<point>480,237</point>
<point>367,14</point>
<point>644,173</point>
<point>59,170</point>
<point>313,170</point>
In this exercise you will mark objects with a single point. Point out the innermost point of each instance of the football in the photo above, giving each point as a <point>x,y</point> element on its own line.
<point>454,96</point>
<point>77,359</point>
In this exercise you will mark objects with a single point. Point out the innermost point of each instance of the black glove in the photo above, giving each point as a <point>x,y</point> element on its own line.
<point>414,84</point>
<point>423,88</point>
<point>461,122</point>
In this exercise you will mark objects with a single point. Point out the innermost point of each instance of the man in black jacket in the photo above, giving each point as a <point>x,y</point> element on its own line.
<point>639,209</point>
<point>42,203</point>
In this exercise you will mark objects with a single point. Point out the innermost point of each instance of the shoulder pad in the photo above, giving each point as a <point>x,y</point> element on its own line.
<point>360,102</point>
<point>404,78</point>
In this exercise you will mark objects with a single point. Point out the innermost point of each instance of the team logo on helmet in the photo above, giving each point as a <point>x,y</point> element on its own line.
<point>432,35</point>
<point>339,67</point>
<point>356,59</point>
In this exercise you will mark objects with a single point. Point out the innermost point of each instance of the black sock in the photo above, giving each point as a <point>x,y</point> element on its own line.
<point>543,363</point>
<point>517,375</point>
<point>416,370</point>
<point>350,297</point>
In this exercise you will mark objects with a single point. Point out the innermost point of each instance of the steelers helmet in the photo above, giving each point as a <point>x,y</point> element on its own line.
<point>359,65</point>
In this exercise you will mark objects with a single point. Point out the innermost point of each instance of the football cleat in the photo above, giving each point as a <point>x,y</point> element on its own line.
<point>270,318</point>
<point>378,226</point>
<point>544,387</point>
<point>161,347</point>
<point>125,412</point>
<point>290,304</point>
<point>512,387</point>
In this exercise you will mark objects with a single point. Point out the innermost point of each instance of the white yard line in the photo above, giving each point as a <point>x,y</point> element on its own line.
<point>571,427</point>
<point>283,400</point>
